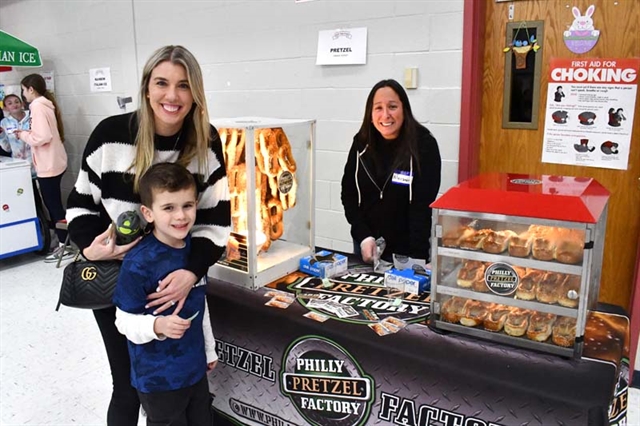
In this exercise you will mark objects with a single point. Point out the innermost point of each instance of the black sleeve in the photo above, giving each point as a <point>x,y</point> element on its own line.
<point>86,216</point>
<point>425,189</point>
<point>349,195</point>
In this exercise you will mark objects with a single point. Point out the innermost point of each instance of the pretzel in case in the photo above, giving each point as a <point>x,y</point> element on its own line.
<point>540,326</point>
<point>495,319</point>
<point>564,332</point>
<point>274,158</point>
<point>527,288</point>
<point>569,294</point>
<point>470,272</point>
<point>517,322</point>
<point>474,313</point>
<point>497,241</point>
<point>453,237</point>
<point>453,309</point>
<point>549,288</point>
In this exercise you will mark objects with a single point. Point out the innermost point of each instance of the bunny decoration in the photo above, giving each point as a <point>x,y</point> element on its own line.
<point>581,36</point>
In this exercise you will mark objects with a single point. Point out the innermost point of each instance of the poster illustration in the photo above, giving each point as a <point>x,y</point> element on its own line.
<point>590,110</point>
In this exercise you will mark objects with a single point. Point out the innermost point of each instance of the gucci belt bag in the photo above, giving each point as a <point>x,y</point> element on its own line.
<point>89,284</point>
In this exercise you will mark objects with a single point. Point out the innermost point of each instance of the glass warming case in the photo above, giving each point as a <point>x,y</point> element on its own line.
<point>273,229</point>
<point>517,259</point>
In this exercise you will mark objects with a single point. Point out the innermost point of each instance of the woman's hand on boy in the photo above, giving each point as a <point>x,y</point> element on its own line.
<point>172,290</point>
<point>171,326</point>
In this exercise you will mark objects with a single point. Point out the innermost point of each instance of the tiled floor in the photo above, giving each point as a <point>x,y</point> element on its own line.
<point>53,368</point>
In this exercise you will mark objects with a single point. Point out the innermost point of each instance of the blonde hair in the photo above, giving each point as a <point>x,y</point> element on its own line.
<point>196,129</point>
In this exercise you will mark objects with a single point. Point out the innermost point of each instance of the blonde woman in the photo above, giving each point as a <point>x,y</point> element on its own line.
<point>45,138</point>
<point>170,125</point>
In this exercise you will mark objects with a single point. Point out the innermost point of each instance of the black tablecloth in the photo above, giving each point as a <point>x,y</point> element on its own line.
<point>416,376</point>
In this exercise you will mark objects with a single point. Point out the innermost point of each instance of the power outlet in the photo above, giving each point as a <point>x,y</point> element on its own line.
<point>411,78</point>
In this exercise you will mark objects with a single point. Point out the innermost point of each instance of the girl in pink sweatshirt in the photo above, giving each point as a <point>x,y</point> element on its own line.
<point>49,156</point>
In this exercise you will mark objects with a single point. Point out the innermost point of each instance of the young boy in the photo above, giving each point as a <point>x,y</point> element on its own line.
<point>170,355</point>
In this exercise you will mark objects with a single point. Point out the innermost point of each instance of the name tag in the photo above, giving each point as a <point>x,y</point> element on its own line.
<point>401,177</point>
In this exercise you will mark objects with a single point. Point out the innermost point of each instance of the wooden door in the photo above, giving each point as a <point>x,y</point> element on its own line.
<point>520,151</point>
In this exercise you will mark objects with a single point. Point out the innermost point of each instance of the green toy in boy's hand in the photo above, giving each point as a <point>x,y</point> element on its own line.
<point>127,228</point>
<point>191,318</point>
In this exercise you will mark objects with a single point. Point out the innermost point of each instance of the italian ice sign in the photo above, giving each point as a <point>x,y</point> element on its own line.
<point>589,114</point>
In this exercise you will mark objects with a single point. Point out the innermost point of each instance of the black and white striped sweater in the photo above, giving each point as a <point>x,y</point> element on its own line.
<point>104,189</point>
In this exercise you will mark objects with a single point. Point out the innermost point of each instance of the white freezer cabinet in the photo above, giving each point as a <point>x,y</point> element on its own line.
<point>19,223</point>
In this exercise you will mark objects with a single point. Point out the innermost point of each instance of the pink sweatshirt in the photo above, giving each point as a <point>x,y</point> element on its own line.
<point>49,155</point>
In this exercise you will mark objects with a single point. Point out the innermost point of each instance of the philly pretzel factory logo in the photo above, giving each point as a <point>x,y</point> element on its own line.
<point>325,383</point>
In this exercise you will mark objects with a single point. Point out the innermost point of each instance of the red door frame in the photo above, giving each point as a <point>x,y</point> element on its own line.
<point>471,119</point>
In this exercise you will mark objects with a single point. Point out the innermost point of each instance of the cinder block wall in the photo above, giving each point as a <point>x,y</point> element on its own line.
<point>258,59</point>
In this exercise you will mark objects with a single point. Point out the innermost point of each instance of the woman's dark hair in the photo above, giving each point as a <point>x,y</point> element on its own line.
<point>369,135</point>
<point>37,83</point>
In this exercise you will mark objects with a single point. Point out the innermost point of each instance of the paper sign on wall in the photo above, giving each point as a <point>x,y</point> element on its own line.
<point>49,80</point>
<point>100,79</point>
<point>341,47</point>
<point>590,109</point>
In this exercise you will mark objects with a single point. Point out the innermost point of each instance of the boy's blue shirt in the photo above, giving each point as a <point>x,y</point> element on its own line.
<point>170,364</point>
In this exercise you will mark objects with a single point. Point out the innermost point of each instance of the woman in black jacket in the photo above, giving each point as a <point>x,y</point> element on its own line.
<point>391,177</point>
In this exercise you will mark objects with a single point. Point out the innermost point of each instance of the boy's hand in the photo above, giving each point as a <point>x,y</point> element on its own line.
<point>211,366</point>
<point>171,326</point>
<point>172,290</point>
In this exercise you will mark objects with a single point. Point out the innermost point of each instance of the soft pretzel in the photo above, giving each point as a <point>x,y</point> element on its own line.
<point>285,156</point>
<point>453,308</point>
<point>273,186</point>
<point>527,287</point>
<point>275,210</point>
<point>497,242</point>
<point>474,313</point>
<point>231,149</point>
<point>569,295</point>
<point>564,332</point>
<point>269,151</point>
<point>517,322</point>
<point>453,237</point>
<point>223,140</point>
<point>240,147</point>
<point>474,241</point>
<point>471,271</point>
<point>266,227</point>
<point>276,230</point>
<point>540,326</point>
<point>549,288</point>
<point>495,319</point>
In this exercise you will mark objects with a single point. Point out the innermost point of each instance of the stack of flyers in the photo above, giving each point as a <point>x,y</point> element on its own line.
<point>339,309</point>
<point>279,299</point>
<point>388,325</point>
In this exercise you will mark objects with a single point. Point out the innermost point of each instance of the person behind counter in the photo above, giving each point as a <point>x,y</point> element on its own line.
<point>170,354</point>
<point>391,177</point>
<point>46,137</point>
<point>17,119</point>
<point>170,125</point>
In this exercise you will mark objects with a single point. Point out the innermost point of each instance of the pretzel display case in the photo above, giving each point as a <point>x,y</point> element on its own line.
<point>270,245</point>
<point>517,259</point>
